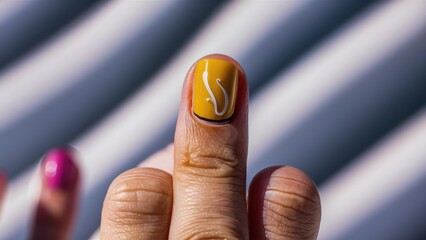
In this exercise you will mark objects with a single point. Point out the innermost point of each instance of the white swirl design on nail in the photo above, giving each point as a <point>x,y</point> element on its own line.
<point>212,97</point>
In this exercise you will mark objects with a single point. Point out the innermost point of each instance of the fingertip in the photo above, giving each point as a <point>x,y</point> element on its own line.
<point>59,168</point>
<point>282,176</point>
<point>203,98</point>
<point>213,114</point>
<point>299,179</point>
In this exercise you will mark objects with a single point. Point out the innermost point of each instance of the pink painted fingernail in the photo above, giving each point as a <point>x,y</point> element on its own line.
<point>59,169</point>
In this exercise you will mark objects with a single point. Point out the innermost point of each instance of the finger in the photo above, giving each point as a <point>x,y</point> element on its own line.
<point>210,153</point>
<point>3,187</point>
<point>58,198</point>
<point>283,203</point>
<point>138,205</point>
<point>163,159</point>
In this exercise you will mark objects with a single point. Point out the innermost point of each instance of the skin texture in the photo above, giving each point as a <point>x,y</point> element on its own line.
<point>206,198</point>
<point>283,203</point>
<point>138,205</point>
<point>210,170</point>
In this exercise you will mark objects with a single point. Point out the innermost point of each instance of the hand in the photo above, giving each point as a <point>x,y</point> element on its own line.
<point>206,196</point>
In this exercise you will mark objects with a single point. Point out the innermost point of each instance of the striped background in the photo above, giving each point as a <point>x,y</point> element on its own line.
<point>338,89</point>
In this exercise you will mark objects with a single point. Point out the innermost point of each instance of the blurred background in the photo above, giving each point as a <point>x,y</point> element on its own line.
<point>338,89</point>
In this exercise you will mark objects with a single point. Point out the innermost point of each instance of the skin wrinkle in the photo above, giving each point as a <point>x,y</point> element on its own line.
<point>219,188</point>
<point>298,233</point>
<point>296,190</point>
<point>138,208</point>
<point>282,235</point>
<point>295,231</point>
<point>124,194</point>
<point>291,206</point>
<point>277,218</point>
<point>297,207</point>
<point>203,164</point>
<point>215,216</point>
<point>301,199</point>
<point>204,154</point>
<point>138,202</point>
<point>212,231</point>
<point>217,219</point>
<point>280,224</point>
<point>134,173</point>
<point>290,180</point>
<point>140,177</point>
<point>277,213</point>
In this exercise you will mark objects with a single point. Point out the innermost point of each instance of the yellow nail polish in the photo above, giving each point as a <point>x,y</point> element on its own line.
<point>215,89</point>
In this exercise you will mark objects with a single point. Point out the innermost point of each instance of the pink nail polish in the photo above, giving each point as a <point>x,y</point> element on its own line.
<point>58,168</point>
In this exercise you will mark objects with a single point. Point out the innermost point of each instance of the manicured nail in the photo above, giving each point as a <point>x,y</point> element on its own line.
<point>59,169</point>
<point>215,89</point>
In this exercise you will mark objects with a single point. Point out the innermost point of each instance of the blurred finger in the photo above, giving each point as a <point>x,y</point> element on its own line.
<point>138,205</point>
<point>3,187</point>
<point>283,203</point>
<point>58,198</point>
<point>210,153</point>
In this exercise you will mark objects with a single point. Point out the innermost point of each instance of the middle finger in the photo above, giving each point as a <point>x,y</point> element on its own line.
<point>210,153</point>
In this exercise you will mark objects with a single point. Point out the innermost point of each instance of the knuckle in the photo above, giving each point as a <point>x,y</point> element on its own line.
<point>292,206</point>
<point>204,229</point>
<point>139,196</point>
<point>212,219</point>
<point>216,154</point>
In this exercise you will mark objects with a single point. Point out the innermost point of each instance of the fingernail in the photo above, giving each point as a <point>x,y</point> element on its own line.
<point>215,89</point>
<point>59,169</point>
